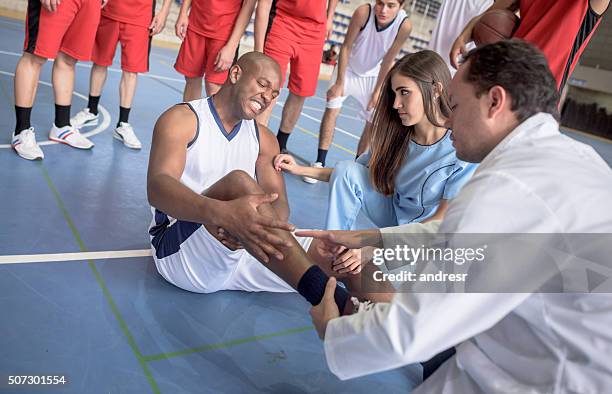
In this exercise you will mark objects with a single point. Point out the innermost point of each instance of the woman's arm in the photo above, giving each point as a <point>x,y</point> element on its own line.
<point>284,162</point>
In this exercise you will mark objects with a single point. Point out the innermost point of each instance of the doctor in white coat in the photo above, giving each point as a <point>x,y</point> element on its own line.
<point>531,179</point>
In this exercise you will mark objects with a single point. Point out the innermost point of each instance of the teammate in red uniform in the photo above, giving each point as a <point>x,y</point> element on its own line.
<point>211,33</point>
<point>64,32</point>
<point>560,28</point>
<point>293,32</point>
<point>133,23</point>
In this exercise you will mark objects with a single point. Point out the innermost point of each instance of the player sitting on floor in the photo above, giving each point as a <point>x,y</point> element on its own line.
<point>214,189</point>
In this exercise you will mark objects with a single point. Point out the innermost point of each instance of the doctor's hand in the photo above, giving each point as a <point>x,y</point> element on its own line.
<point>326,310</point>
<point>335,240</point>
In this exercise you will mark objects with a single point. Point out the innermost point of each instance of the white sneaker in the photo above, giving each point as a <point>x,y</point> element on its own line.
<point>25,145</point>
<point>125,134</point>
<point>84,118</point>
<point>70,135</point>
<point>308,179</point>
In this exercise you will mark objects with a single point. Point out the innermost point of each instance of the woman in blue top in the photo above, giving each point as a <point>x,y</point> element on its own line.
<point>411,170</point>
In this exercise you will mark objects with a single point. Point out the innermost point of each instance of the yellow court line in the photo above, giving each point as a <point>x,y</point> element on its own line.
<point>315,135</point>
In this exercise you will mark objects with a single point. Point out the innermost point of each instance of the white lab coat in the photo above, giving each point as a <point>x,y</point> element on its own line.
<point>535,181</point>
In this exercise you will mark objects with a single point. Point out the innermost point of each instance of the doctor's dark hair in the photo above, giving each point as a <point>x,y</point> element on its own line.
<point>389,139</point>
<point>521,69</point>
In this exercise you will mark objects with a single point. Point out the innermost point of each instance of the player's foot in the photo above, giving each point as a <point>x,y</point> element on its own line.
<point>308,179</point>
<point>25,145</point>
<point>84,118</point>
<point>70,135</point>
<point>125,134</point>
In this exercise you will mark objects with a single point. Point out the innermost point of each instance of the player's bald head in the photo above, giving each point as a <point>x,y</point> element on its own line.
<point>254,62</point>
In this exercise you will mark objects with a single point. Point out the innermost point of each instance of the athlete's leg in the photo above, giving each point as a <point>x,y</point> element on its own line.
<point>328,124</point>
<point>97,79</point>
<point>211,88</point>
<point>127,88</point>
<point>27,75</point>
<point>193,89</point>
<point>295,264</point>
<point>63,78</point>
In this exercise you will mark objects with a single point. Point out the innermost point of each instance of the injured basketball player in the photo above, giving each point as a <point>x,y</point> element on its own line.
<point>220,208</point>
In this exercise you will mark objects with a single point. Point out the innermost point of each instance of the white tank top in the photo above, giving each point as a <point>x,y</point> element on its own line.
<point>213,153</point>
<point>372,44</point>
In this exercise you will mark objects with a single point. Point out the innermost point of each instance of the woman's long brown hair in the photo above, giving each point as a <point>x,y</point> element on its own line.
<point>389,138</point>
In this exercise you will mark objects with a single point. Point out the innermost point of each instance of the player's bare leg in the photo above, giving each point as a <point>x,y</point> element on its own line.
<point>193,89</point>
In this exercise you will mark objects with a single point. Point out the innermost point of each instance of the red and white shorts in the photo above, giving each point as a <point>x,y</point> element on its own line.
<point>197,56</point>
<point>135,45</point>
<point>70,29</point>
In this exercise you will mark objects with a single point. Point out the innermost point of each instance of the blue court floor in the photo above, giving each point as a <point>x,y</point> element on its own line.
<point>79,294</point>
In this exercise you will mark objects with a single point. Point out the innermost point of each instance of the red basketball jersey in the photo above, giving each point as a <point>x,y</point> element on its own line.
<point>561,29</point>
<point>134,12</point>
<point>302,20</point>
<point>214,18</point>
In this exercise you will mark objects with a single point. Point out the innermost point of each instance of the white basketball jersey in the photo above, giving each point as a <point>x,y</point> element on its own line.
<point>372,44</point>
<point>214,152</point>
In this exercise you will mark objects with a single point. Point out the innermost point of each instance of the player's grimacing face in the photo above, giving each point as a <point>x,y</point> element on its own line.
<point>386,10</point>
<point>259,89</point>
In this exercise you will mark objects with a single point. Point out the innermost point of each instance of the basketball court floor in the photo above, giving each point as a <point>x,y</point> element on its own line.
<point>79,293</point>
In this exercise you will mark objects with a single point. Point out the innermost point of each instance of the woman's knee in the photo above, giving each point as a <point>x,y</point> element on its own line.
<point>349,172</point>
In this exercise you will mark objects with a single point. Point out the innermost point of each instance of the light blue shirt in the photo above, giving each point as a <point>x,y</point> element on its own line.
<point>429,174</point>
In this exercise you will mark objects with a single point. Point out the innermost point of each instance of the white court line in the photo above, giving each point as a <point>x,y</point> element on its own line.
<point>97,130</point>
<point>341,114</point>
<point>281,103</point>
<point>56,257</point>
<point>116,70</point>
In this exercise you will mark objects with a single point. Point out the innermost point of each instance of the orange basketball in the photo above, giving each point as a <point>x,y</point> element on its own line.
<point>495,25</point>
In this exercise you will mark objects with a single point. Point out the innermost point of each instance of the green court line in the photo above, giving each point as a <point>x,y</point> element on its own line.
<point>224,345</point>
<point>102,284</point>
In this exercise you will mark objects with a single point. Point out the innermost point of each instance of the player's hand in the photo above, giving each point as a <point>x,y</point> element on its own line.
<point>334,240</point>
<point>50,5</point>
<point>180,27</point>
<point>224,58</point>
<point>104,3</point>
<point>326,310</point>
<point>228,239</point>
<point>349,261</point>
<point>336,90</point>
<point>240,218</point>
<point>458,48</point>
<point>285,162</point>
<point>157,24</point>
<point>329,29</point>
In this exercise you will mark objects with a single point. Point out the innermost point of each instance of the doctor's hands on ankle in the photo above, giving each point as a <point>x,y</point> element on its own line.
<point>326,310</point>
<point>348,261</point>
<point>242,220</point>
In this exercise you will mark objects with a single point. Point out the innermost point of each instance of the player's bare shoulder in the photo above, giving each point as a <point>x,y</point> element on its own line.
<point>268,144</point>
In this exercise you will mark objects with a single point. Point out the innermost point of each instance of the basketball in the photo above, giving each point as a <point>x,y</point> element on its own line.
<point>495,25</point>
